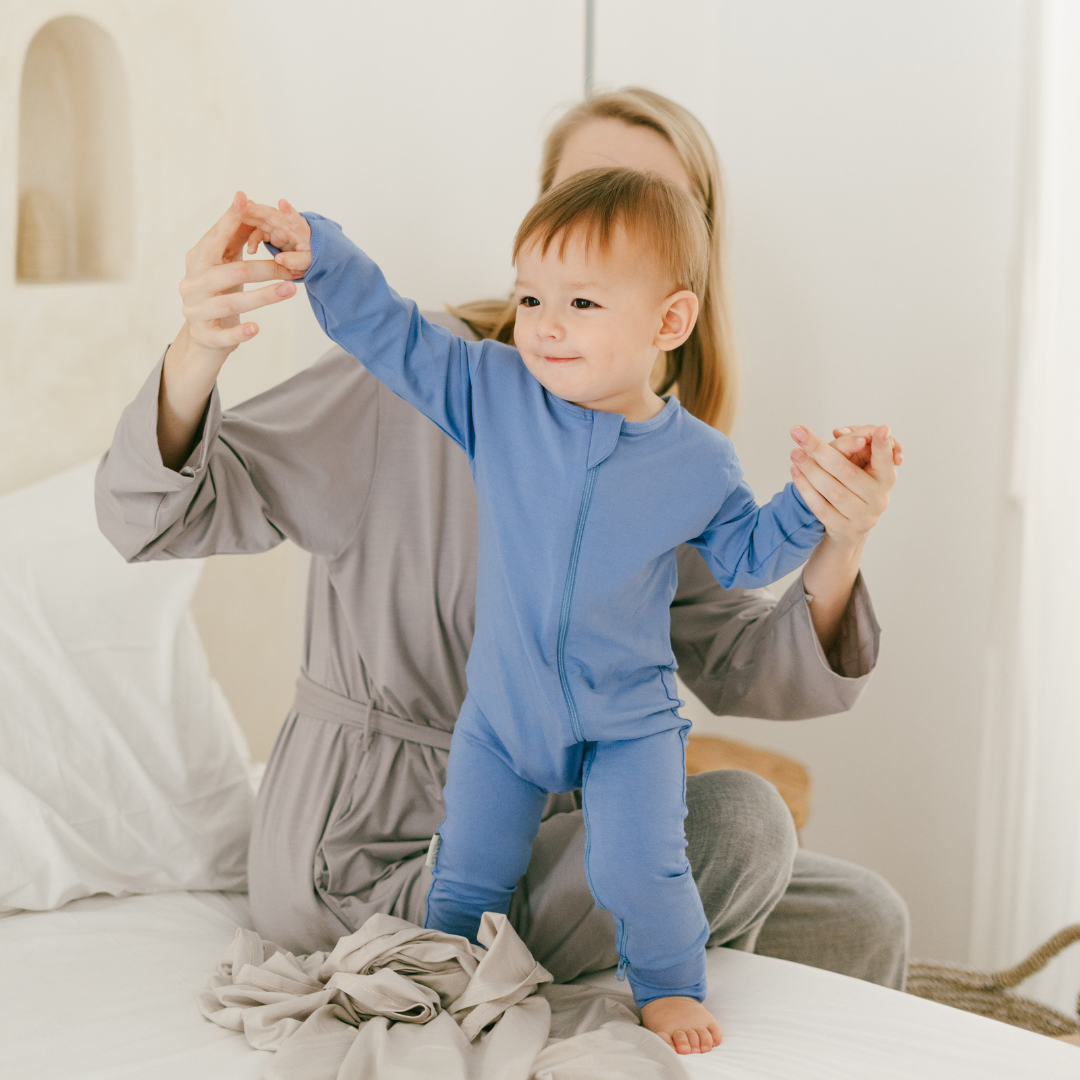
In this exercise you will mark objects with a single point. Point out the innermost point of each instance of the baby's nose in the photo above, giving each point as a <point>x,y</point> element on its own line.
<point>551,327</point>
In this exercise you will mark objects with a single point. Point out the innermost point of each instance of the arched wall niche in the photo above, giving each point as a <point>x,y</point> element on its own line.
<point>75,157</point>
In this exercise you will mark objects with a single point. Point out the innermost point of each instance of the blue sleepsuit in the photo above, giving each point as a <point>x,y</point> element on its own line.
<point>571,674</point>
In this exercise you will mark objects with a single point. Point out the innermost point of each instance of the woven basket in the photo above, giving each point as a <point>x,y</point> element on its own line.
<point>706,753</point>
<point>988,994</point>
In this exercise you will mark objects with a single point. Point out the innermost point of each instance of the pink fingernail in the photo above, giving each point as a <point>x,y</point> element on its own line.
<point>798,455</point>
<point>798,434</point>
<point>285,289</point>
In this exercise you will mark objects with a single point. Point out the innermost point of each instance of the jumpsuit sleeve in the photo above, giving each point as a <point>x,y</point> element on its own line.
<point>296,462</point>
<point>419,361</point>
<point>747,545</point>
<point>744,653</point>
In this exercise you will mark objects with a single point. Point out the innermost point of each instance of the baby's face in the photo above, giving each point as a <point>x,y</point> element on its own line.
<point>589,326</point>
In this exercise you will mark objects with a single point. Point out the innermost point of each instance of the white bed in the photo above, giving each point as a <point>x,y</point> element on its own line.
<point>104,989</point>
<point>122,773</point>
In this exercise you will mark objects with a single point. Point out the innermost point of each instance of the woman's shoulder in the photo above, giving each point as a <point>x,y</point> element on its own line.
<point>456,326</point>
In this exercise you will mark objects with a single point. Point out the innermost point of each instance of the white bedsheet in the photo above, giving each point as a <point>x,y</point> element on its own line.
<point>86,996</point>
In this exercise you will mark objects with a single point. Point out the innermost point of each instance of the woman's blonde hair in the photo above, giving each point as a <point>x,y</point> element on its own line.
<point>705,366</point>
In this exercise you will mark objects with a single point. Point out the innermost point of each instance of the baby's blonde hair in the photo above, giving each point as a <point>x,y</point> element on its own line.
<point>705,367</point>
<point>656,215</point>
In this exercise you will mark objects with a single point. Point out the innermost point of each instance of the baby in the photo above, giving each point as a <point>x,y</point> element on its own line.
<point>587,482</point>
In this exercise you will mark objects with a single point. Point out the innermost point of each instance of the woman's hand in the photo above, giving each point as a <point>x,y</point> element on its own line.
<point>213,301</point>
<point>846,484</point>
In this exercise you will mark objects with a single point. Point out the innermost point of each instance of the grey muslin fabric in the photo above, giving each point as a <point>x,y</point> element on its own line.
<point>385,504</point>
<point>392,999</point>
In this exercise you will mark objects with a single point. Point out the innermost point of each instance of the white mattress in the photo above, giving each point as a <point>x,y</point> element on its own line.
<point>104,989</point>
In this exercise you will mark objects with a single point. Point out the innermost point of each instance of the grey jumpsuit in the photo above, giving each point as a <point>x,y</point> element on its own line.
<point>385,504</point>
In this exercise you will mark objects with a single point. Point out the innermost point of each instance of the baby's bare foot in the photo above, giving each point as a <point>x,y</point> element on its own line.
<point>683,1023</point>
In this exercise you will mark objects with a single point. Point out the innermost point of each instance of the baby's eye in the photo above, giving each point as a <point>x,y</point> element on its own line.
<point>582,304</point>
<point>529,301</point>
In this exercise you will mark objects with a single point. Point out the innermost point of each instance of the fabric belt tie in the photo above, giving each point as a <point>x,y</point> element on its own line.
<point>315,701</point>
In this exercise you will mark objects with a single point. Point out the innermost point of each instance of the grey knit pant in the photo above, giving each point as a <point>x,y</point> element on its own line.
<point>323,859</point>
<point>761,892</point>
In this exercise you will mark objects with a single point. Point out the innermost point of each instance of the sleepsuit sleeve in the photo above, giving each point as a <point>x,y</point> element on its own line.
<point>423,363</point>
<point>746,545</point>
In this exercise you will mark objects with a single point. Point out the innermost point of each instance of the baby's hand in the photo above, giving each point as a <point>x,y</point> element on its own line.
<point>854,443</point>
<point>284,228</point>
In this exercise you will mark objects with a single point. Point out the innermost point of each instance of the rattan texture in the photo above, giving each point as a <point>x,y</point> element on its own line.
<point>988,994</point>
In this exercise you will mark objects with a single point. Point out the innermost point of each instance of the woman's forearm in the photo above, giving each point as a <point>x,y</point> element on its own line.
<point>214,300</point>
<point>828,577</point>
<point>187,381</point>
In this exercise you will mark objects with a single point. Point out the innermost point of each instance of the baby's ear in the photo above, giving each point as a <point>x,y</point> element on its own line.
<point>678,318</point>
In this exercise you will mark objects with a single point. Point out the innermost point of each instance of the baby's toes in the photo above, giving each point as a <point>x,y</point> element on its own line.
<point>681,1040</point>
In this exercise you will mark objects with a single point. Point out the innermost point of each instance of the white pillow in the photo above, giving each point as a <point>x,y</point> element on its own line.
<point>122,769</point>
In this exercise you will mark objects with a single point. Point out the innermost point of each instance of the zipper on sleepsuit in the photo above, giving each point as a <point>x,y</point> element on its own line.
<point>568,593</point>
<point>620,971</point>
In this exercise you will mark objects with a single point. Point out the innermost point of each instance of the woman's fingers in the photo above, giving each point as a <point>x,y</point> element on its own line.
<point>229,305</point>
<point>230,277</point>
<point>838,494</point>
<point>821,508</point>
<point>217,337</point>
<point>833,462</point>
<point>857,506</point>
<point>220,242</point>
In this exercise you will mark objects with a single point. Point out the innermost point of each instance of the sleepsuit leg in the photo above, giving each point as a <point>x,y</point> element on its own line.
<point>633,798</point>
<point>492,815</point>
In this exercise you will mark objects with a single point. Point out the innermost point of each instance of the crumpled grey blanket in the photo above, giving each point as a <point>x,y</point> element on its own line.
<point>396,1001</point>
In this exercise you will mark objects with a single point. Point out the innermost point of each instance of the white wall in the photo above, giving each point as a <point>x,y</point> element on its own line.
<point>871,155</point>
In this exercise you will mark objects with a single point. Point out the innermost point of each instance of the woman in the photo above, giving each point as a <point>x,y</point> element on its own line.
<point>385,504</point>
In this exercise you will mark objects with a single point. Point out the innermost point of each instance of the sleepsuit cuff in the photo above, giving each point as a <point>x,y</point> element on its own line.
<point>685,979</point>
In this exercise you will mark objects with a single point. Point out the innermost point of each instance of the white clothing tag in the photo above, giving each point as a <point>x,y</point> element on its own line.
<point>433,850</point>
